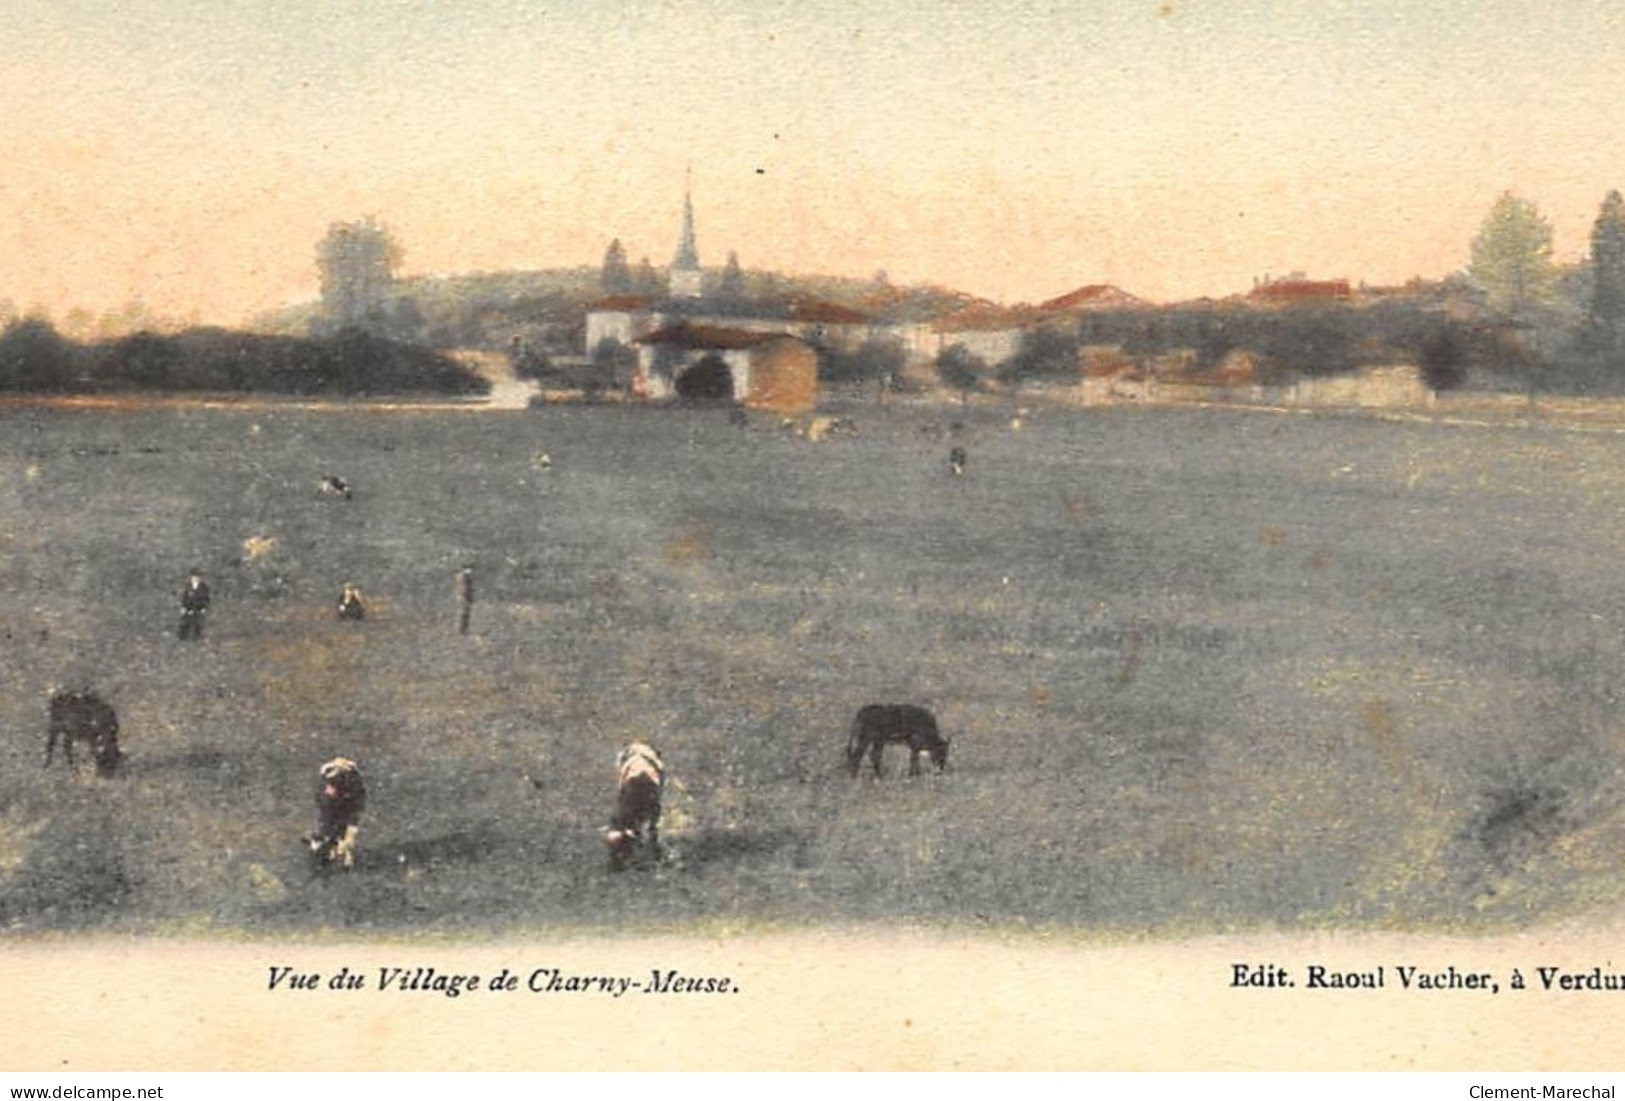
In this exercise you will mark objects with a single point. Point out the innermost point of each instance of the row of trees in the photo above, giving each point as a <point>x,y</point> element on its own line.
<point>617,276</point>
<point>35,358</point>
<point>1512,263</point>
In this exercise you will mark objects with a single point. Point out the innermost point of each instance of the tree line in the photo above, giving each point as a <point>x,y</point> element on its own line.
<point>35,358</point>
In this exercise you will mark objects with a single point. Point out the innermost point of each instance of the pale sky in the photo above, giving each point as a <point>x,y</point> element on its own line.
<point>190,153</point>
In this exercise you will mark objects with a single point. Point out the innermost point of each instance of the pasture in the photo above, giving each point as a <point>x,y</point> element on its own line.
<point>1201,670</point>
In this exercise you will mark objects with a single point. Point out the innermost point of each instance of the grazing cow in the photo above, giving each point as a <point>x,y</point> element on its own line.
<point>332,485</point>
<point>84,717</point>
<point>956,460</point>
<point>879,724</point>
<point>339,802</point>
<point>352,605</point>
<point>641,776</point>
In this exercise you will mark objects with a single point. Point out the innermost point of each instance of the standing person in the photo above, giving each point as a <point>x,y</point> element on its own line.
<point>194,606</point>
<point>465,598</point>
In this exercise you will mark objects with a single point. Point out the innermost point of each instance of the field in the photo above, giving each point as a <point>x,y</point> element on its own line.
<point>1202,670</point>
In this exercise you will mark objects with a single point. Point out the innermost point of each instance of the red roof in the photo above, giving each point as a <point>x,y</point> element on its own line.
<point>684,335</point>
<point>623,303</point>
<point>982,317</point>
<point>828,313</point>
<point>1301,290</point>
<point>1095,296</point>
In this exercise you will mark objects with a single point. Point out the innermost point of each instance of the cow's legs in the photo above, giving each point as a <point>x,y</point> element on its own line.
<point>876,748</point>
<point>344,848</point>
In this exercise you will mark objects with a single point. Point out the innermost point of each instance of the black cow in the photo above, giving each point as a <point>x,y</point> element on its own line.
<point>641,776</point>
<point>879,724</point>
<point>84,717</point>
<point>956,460</point>
<point>340,800</point>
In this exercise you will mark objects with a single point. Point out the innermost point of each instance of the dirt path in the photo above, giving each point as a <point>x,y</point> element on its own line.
<point>508,390</point>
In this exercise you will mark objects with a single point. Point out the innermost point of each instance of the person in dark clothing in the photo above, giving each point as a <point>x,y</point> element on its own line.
<point>194,607</point>
<point>465,598</point>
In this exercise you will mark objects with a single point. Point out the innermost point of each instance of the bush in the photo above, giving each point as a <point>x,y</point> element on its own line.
<point>34,357</point>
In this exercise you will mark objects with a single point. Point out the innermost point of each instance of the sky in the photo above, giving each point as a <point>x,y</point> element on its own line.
<point>189,154</point>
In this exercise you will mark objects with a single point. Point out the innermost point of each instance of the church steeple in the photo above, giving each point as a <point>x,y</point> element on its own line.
<point>686,275</point>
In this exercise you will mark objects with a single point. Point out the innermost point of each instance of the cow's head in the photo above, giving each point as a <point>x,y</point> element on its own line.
<point>939,754</point>
<point>621,844</point>
<point>108,755</point>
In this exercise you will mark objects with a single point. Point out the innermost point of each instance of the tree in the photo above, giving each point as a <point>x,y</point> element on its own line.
<point>646,281</point>
<point>34,356</point>
<point>356,261</point>
<point>1608,269</point>
<point>732,284</point>
<point>960,368</point>
<point>615,361</point>
<point>143,360</point>
<point>1044,354</point>
<point>617,274</point>
<point>1512,256</point>
<point>877,359</point>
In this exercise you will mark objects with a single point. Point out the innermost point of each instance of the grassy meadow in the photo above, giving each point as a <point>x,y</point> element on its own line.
<point>1202,670</point>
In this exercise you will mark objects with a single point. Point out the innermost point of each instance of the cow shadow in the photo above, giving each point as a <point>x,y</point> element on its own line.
<point>470,846</point>
<point>715,845</point>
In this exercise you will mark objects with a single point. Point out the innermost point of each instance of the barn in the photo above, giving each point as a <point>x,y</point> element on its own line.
<point>761,370</point>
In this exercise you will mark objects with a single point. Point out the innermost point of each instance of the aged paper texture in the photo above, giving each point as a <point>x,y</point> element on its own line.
<point>1101,517</point>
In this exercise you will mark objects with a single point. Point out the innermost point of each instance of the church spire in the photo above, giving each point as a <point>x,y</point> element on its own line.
<point>688,252</point>
<point>685,268</point>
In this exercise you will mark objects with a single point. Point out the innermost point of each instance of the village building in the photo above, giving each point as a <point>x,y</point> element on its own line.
<point>703,362</point>
<point>986,330</point>
<point>1397,386</point>
<point>673,332</point>
<point>994,333</point>
<point>1297,288</point>
<point>1091,298</point>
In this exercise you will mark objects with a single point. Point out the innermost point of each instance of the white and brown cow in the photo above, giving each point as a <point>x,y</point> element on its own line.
<point>332,485</point>
<point>640,778</point>
<point>340,799</point>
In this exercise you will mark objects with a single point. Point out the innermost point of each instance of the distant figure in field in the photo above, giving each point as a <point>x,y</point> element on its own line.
<point>352,605</point>
<point>956,461</point>
<point>339,802</point>
<point>194,607</point>
<point>640,778</point>
<point>880,724</point>
<point>333,486</point>
<point>465,598</point>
